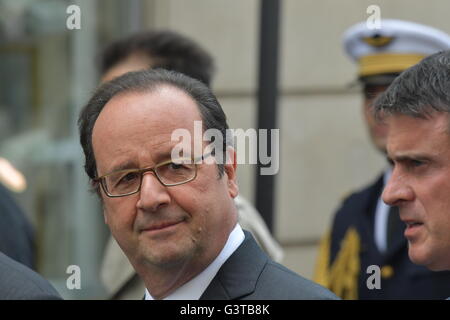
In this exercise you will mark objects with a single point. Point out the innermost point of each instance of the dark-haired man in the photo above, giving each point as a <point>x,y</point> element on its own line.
<point>156,49</point>
<point>175,218</point>
<point>171,51</point>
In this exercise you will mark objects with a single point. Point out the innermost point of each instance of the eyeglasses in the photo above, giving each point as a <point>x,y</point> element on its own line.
<point>169,173</point>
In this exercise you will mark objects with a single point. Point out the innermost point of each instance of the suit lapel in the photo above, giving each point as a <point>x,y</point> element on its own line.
<point>238,276</point>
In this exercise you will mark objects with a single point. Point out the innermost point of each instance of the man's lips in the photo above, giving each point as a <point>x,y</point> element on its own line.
<point>160,225</point>
<point>412,227</point>
<point>412,224</point>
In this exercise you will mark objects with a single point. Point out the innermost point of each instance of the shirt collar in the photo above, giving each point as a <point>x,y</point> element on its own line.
<point>193,289</point>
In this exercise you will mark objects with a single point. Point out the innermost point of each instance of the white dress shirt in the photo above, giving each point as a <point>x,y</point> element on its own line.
<point>193,289</point>
<point>381,218</point>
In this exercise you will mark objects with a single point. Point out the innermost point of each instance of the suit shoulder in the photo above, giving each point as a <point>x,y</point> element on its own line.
<point>19,282</point>
<point>278,282</point>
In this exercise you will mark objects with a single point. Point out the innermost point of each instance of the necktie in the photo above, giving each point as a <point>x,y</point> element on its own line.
<point>395,227</point>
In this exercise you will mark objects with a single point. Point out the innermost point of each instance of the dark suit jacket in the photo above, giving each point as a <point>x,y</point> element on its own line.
<point>16,233</point>
<point>407,281</point>
<point>17,282</point>
<point>250,274</point>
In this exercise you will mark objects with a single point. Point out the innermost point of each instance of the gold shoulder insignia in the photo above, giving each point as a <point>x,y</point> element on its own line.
<point>321,270</point>
<point>344,272</point>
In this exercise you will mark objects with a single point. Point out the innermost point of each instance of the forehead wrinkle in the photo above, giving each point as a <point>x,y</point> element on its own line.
<point>119,161</point>
<point>152,117</point>
<point>156,151</point>
<point>420,140</point>
<point>147,156</point>
<point>162,103</point>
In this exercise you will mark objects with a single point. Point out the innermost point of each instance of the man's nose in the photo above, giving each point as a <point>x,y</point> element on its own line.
<point>153,194</point>
<point>397,191</point>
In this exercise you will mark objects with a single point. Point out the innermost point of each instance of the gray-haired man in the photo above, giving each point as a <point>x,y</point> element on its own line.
<point>175,220</point>
<point>417,109</point>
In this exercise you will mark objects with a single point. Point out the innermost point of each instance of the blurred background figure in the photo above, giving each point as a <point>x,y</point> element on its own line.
<point>365,231</point>
<point>171,51</point>
<point>17,235</point>
<point>16,231</point>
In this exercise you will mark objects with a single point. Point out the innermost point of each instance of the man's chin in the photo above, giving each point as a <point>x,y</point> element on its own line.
<point>425,259</point>
<point>437,266</point>
<point>163,257</point>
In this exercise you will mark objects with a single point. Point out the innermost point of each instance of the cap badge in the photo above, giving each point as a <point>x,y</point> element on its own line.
<point>377,40</point>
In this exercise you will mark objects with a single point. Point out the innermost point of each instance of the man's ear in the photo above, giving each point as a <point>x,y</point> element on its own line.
<point>98,190</point>
<point>105,216</point>
<point>230,168</point>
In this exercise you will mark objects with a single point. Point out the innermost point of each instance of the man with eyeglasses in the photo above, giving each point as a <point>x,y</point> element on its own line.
<point>171,51</point>
<point>175,218</point>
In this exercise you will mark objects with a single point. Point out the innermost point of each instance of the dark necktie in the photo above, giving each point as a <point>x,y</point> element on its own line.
<point>395,227</point>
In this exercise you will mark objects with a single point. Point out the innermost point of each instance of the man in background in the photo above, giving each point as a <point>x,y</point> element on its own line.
<point>171,51</point>
<point>365,231</point>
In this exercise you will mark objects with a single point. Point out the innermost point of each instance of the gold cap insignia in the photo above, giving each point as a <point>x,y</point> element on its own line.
<point>377,40</point>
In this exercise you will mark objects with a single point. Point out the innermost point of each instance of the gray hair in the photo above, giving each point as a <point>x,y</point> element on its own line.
<point>419,90</point>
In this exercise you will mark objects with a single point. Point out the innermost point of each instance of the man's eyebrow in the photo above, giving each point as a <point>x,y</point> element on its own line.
<point>408,157</point>
<point>158,156</point>
<point>123,166</point>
